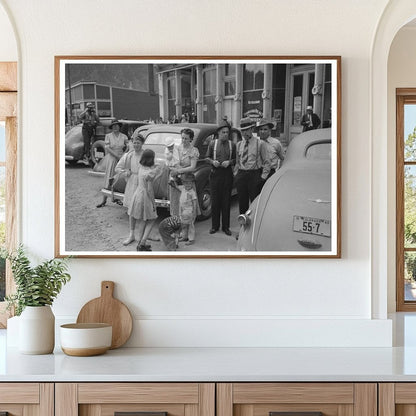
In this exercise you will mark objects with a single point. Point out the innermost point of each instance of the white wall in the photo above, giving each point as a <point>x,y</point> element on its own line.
<point>401,74</point>
<point>212,302</point>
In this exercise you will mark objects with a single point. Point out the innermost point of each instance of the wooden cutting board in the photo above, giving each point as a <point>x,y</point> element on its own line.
<point>107,309</point>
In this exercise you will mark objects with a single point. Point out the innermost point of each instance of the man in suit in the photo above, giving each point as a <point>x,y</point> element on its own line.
<point>310,121</point>
<point>252,163</point>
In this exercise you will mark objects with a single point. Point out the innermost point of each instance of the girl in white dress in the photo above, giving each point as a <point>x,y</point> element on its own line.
<point>142,208</point>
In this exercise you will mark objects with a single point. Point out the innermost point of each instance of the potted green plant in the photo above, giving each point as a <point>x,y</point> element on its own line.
<point>36,289</point>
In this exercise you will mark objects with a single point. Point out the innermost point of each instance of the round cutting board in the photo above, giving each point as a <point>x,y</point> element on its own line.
<point>107,309</point>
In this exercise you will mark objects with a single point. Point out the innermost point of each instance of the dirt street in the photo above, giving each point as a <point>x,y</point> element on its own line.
<point>92,229</point>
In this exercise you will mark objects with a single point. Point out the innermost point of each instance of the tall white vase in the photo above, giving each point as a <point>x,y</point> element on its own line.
<point>37,330</point>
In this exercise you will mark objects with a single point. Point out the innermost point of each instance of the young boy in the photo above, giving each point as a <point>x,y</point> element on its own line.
<point>172,160</point>
<point>188,207</point>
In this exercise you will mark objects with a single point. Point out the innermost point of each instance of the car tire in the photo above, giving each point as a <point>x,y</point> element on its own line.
<point>97,151</point>
<point>205,203</point>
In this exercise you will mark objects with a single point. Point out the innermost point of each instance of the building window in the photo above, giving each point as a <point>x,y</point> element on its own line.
<point>171,95</point>
<point>229,79</point>
<point>406,200</point>
<point>253,84</point>
<point>89,91</point>
<point>209,81</point>
<point>327,111</point>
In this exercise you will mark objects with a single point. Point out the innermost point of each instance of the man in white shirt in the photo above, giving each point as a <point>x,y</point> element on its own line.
<point>274,147</point>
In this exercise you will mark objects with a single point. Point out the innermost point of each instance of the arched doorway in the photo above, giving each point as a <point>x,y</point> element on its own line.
<point>383,239</point>
<point>8,150</point>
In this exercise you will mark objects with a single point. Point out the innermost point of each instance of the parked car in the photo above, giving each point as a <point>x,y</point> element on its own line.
<point>156,140</point>
<point>74,143</point>
<point>293,211</point>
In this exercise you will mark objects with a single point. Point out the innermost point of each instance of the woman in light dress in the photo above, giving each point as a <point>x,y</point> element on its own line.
<point>129,166</point>
<point>115,145</point>
<point>142,208</point>
<point>188,156</point>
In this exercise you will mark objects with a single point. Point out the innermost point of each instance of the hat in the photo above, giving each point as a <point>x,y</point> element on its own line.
<point>246,123</point>
<point>309,107</point>
<point>169,141</point>
<point>188,177</point>
<point>90,105</point>
<point>223,123</point>
<point>264,122</point>
<point>115,122</point>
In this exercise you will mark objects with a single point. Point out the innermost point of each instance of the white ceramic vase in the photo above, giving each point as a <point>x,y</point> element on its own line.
<point>37,330</point>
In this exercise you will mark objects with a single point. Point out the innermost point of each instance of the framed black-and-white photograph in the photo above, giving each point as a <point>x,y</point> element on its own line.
<point>198,156</point>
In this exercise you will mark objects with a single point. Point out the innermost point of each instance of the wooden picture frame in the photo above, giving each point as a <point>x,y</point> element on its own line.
<point>297,213</point>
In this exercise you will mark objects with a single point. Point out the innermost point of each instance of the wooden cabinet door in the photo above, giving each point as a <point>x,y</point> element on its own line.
<point>397,399</point>
<point>26,399</point>
<point>297,399</point>
<point>143,399</point>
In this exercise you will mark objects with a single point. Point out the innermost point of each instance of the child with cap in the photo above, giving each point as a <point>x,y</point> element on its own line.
<point>188,203</point>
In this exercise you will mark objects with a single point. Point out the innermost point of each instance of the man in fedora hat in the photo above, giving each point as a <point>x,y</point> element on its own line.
<point>221,155</point>
<point>90,120</point>
<point>274,147</point>
<point>253,165</point>
<point>310,120</point>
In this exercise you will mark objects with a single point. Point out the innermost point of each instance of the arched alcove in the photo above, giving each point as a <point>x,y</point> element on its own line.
<point>395,17</point>
<point>8,45</point>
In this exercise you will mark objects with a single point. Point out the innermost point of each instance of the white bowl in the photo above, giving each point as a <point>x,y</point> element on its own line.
<point>84,340</point>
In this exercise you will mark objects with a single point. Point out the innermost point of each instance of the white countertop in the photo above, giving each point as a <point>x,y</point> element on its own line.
<point>215,364</point>
<point>222,364</point>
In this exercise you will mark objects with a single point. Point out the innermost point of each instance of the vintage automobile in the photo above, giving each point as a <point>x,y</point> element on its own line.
<point>156,140</point>
<point>293,211</point>
<point>74,143</point>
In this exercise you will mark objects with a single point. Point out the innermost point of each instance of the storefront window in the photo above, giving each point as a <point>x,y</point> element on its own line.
<point>187,103</point>
<point>279,96</point>
<point>103,92</point>
<point>104,109</point>
<point>253,84</point>
<point>297,99</point>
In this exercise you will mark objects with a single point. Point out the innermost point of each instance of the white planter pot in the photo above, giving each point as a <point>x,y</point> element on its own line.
<point>37,330</point>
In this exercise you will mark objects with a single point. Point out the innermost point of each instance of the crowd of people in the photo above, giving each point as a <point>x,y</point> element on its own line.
<point>246,165</point>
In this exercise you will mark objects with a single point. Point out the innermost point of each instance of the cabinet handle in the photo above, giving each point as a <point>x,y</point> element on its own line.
<point>139,414</point>
<point>295,414</point>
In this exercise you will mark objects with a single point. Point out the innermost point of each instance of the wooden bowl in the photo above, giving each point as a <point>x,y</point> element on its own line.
<point>84,340</point>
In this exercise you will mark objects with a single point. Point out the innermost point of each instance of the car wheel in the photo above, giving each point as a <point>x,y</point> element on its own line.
<point>204,199</point>
<point>97,151</point>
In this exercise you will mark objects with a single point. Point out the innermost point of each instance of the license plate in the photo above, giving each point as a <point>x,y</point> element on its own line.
<point>310,225</point>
